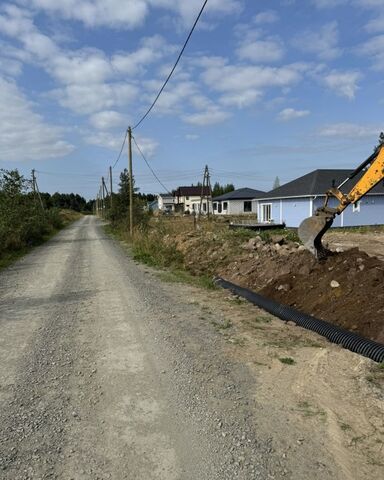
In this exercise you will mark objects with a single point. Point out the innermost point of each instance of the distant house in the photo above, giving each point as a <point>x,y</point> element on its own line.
<point>296,200</point>
<point>153,206</point>
<point>166,202</point>
<point>238,202</point>
<point>187,199</point>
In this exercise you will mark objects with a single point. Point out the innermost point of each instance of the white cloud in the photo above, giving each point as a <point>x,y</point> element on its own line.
<point>107,120</point>
<point>147,145</point>
<point>242,99</point>
<point>10,67</point>
<point>261,51</point>
<point>85,66</point>
<point>329,3</point>
<point>151,49</point>
<point>343,83</point>
<point>86,99</point>
<point>322,43</point>
<point>210,117</point>
<point>24,133</point>
<point>235,79</point>
<point>191,136</point>
<point>291,114</point>
<point>268,16</point>
<point>374,48</point>
<point>376,24</point>
<point>127,14</point>
<point>349,130</point>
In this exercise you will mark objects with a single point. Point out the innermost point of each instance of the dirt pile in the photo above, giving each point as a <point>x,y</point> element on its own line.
<point>346,289</point>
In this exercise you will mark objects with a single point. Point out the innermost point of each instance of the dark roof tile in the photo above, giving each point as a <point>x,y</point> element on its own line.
<point>240,194</point>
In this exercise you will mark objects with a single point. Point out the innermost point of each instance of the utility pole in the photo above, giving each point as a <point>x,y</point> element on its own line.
<point>102,197</point>
<point>206,187</point>
<point>110,185</point>
<point>130,181</point>
<point>33,182</point>
<point>35,189</point>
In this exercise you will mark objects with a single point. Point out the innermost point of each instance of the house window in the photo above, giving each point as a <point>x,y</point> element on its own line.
<point>247,206</point>
<point>220,208</point>
<point>215,206</point>
<point>225,206</point>
<point>204,207</point>
<point>186,198</point>
<point>266,212</point>
<point>356,207</point>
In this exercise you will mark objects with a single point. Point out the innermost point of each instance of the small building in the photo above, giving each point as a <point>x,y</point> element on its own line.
<point>238,202</point>
<point>166,202</point>
<point>188,199</point>
<point>296,200</point>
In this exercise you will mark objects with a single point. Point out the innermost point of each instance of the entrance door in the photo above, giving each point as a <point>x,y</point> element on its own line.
<point>265,212</point>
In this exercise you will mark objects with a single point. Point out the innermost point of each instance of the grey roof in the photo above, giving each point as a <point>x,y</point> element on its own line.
<point>240,194</point>
<point>317,183</point>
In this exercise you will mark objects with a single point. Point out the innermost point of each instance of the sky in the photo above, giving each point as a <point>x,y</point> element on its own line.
<point>264,89</point>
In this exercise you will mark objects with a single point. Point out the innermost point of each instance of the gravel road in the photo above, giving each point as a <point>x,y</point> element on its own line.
<point>106,373</point>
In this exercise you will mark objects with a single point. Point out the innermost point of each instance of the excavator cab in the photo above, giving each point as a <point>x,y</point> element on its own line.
<point>312,229</point>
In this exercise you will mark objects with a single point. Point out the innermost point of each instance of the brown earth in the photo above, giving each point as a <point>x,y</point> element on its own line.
<point>346,289</point>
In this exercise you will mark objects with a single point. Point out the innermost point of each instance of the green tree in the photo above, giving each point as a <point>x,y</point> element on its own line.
<point>221,189</point>
<point>276,183</point>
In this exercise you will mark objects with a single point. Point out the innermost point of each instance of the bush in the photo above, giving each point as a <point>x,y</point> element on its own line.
<point>23,223</point>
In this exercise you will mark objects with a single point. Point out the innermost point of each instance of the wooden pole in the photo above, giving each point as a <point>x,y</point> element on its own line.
<point>130,181</point>
<point>110,186</point>
<point>102,197</point>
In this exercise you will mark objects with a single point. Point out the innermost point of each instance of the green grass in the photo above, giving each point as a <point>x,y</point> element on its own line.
<point>287,360</point>
<point>7,258</point>
<point>181,276</point>
<point>224,325</point>
<point>308,410</point>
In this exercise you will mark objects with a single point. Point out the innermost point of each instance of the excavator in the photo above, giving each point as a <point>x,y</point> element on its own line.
<point>312,229</point>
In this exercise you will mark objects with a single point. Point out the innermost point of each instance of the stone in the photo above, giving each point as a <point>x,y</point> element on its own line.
<point>335,284</point>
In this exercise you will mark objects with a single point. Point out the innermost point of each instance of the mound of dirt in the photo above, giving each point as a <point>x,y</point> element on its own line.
<point>346,289</point>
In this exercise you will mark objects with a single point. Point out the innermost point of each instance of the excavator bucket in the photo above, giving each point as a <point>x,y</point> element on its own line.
<point>311,231</point>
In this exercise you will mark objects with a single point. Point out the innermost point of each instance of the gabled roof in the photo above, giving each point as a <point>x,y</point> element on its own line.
<point>317,183</point>
<point>192,191</point>
<point>240,194</point>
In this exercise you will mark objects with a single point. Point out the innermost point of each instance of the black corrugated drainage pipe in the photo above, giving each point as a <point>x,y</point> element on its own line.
<point>349,340</point>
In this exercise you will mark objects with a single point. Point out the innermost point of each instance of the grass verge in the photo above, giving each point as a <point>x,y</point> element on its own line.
<point>151,250</point>
<point>7,258</point>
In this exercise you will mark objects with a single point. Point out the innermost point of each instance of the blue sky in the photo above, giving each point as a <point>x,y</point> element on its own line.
<point>265,89</point>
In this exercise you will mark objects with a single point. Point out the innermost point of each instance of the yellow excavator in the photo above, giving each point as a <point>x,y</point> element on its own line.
<point>312,229</point>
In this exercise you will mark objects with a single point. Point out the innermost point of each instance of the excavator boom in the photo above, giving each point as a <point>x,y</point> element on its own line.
<point>312,229</point>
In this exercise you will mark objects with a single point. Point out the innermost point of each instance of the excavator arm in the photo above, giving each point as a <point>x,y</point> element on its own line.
<point>313,228</point>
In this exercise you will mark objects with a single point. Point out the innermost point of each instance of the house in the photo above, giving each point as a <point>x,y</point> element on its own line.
<point>187,199</point>
<point>296,200</point>
<point>166,202</point>
<point>153,206</point>
<point>237,202</point>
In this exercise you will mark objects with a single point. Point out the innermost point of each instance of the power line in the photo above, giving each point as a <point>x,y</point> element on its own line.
<point>174,67</point>
<point>121,150</point>
<point>150,168</point>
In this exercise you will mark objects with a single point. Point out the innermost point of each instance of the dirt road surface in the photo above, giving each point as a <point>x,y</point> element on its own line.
<point>109,372</point>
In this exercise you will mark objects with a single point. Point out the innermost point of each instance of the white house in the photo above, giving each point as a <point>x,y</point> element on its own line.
<point>238,202</point>
<point>187,199</point>
<point>166,202</point>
